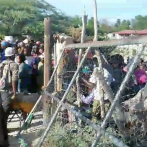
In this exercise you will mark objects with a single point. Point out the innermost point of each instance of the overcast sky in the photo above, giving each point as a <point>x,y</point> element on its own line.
<point>107,9</point>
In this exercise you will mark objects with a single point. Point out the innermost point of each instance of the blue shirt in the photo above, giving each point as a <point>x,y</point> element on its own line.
<point>31,60</point>
<point>3,56</point>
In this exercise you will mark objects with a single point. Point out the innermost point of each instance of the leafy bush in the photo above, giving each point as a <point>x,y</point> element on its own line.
<point>61,136</point>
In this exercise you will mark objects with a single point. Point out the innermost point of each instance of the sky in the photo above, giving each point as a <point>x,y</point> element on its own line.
<point>107,9</point>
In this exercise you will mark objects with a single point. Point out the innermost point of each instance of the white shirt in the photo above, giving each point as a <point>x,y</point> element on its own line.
<point>95,80</point>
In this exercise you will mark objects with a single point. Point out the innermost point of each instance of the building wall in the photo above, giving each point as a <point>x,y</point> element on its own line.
<point>117,36</point>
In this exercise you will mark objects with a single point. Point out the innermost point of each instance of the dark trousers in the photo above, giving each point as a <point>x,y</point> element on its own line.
<point>4,113</point>
<point>4,142</point>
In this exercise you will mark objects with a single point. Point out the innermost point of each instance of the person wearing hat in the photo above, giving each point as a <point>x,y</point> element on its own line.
<point>40,77</point>
<point>8,68</point>
<point>13,67</point>
<point>10,56</point>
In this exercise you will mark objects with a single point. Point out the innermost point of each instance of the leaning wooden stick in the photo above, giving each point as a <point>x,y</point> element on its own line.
<point>101,91</point>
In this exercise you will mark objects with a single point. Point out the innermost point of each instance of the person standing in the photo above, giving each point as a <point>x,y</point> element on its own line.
<point>24,74</point>
<point>4,142</point>
<point>9,76</point>
<point>40,77</point>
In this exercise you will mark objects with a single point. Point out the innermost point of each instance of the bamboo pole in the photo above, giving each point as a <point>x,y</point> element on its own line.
<point>118,95</point>
<point>47,67</point>
<point>62,100</point>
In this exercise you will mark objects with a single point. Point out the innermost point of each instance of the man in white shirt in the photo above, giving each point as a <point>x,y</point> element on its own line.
<point>94,84</point>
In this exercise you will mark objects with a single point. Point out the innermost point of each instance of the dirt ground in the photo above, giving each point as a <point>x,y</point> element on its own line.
<point>30,135</point>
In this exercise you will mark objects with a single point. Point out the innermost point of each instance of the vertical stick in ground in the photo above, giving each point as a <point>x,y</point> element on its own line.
<point>47,67</point>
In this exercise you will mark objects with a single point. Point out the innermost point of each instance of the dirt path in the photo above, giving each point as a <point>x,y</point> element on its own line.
<point>30,135</point>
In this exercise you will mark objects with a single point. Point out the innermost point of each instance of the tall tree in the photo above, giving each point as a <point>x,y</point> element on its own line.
<point>140,22</point>
<point>118,23</point>
<point>125,25</point>
<point>90,27</point>
<point>76,21</point>
<point>106,27</point>
<point>27,16</point>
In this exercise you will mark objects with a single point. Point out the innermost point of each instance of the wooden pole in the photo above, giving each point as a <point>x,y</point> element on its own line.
<point>101,91</point>
<point>95,22</point>
<point>47,66</point>
<point>55,63</point>
<point>98,54</point>
<point>59,49</point>
<point>84,22</point>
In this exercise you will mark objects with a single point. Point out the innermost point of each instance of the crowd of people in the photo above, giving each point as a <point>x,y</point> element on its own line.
<point>114,70</point>
<point>29,57</point>
<point>21,71</point>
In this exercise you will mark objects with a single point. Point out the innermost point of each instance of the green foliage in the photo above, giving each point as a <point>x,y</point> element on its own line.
<point>1,37</point>
<point>122,25</point>
<point>19,17</point>
<point>81,137</point>
<point>140,22</point>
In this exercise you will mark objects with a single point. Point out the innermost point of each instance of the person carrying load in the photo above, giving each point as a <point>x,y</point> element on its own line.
<point>8,80</point>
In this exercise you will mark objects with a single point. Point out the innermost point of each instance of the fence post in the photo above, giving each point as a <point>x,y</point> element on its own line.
<point>55,63</point>
<point>84,22</point>
<point>47,66</point>
<point>59,48</point>
<point>102,105</point>
<point>95,22</point>
<point>60,67</point>
<point>101,91</point>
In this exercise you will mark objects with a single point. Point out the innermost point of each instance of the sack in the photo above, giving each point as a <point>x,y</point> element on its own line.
<point>6,79</point>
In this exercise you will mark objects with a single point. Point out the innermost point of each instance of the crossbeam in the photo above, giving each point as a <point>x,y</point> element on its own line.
<point>127,41</point>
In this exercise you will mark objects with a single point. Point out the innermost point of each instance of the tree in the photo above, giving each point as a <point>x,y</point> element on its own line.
<point>105,26</point>
<point>125,25</point>
<point>76,21</point>
<point>140,22</point>
<point>19,17</point>
<point>90,27</point>
<point>118,23</point>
